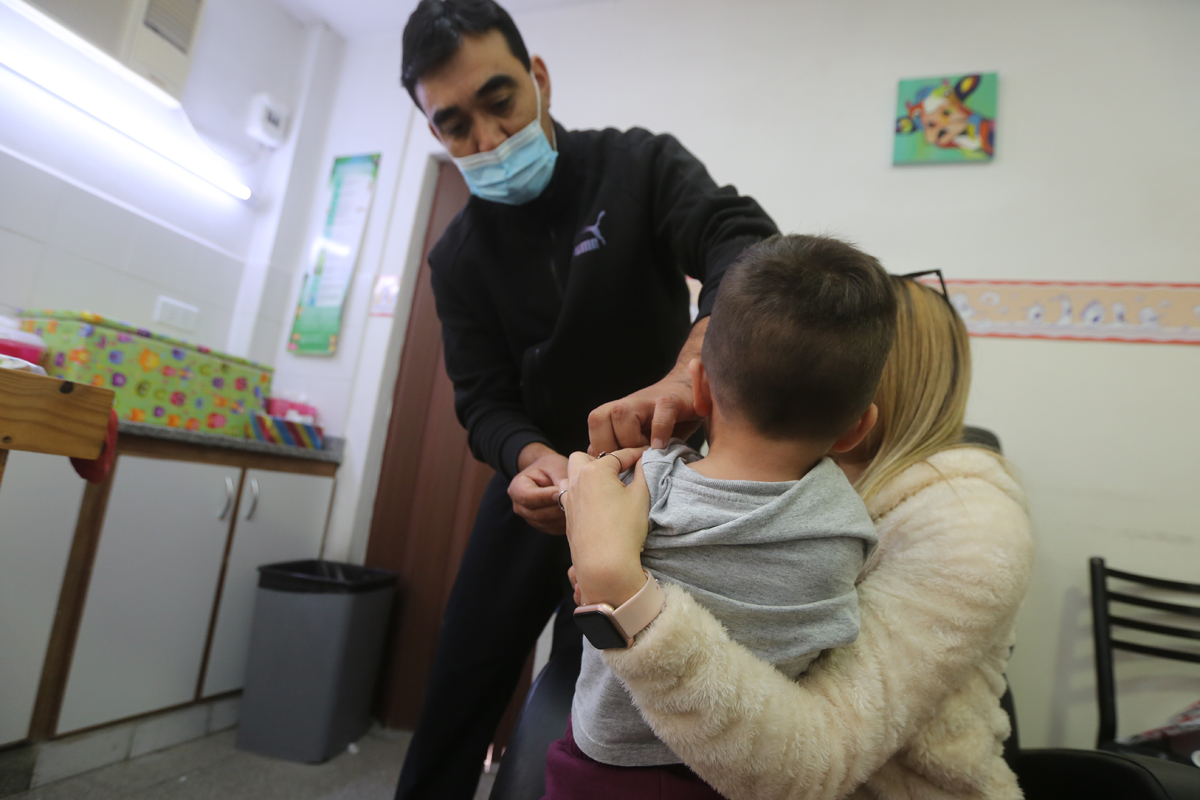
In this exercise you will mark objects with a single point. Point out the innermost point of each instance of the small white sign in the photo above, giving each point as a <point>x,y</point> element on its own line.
<point>383,298</point>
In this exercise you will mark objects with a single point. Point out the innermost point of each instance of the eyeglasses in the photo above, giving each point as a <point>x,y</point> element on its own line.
<point>916,276</point>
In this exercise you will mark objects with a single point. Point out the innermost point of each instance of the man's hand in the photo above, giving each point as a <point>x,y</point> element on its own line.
<point>534,491</point>
<point>654,415</point>
<point>651,416</point>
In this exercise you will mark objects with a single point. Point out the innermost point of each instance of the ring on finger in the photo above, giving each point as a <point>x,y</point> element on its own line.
<point>559,498</point>
<point>614,455</point>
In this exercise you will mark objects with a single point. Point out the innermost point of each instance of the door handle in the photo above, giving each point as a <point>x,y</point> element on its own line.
<point>253,499</point>
<point>228,499</point>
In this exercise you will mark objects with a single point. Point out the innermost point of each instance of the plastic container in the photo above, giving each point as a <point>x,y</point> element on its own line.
<point>281,406</point>
<point>278,430</point>
<point>19,344</point>
<point>316,643</point>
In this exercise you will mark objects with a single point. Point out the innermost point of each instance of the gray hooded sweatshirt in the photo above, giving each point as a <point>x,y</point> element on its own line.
<point>775,563</point>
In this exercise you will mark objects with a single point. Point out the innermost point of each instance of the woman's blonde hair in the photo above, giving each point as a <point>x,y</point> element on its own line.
<point>922,395</point>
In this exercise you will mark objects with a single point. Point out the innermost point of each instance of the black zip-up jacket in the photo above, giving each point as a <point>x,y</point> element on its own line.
<point>557,306</point>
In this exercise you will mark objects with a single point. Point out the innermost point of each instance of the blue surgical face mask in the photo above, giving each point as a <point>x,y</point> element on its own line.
<point>518,170</point>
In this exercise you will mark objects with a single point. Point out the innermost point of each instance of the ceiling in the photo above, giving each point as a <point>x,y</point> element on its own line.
<point>353,18</point>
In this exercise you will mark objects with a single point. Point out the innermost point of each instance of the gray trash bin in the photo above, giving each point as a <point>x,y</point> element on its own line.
<point>315,648</point>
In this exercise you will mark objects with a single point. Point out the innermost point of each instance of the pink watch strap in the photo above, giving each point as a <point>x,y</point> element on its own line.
<point>640,610</point>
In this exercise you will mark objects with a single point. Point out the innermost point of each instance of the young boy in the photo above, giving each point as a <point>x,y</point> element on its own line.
<point>765,530</point>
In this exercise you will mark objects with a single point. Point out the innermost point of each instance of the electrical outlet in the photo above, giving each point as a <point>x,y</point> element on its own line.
<point>176,314</point>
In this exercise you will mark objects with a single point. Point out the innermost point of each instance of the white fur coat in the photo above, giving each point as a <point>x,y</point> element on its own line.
<point>911,710</point>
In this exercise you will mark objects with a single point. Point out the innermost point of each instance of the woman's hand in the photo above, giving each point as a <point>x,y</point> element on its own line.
<point>607,523</point>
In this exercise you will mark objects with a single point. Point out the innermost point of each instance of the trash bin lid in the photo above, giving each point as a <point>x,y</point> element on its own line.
<point>323,577</point>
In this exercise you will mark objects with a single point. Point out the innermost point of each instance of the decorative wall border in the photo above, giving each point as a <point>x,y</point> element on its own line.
<point>1158,313</point>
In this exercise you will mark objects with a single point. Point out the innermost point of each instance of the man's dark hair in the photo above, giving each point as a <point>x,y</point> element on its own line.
<point>799,334</point>
<point>434,33</point>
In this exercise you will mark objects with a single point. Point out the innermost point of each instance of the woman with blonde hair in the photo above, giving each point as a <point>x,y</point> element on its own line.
<point>912,708</point>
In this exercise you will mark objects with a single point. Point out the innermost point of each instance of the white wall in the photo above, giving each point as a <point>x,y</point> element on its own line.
<point>91,220</point>
<point>371,114</point>
<point>1095,177</point>
<point>62,246</point>
<point>242,49</point>
<point>277,247</point>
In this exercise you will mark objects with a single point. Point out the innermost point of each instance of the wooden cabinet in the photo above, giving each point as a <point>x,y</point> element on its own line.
<point>281,517</point>
<point>136,594</point>
<point>39,506</point>
<point>149,604</point>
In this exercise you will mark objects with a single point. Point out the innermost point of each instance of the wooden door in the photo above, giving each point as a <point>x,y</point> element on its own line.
<point>429,491</point>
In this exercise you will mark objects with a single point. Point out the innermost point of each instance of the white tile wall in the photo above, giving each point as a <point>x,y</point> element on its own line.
<point>92,228</point>
<point>69,282</point>
<point>274,316</point>
<point>28,198</point>
<point>19,260</point>
<point>212,330</point>
<point>138,295</point>
<point>64,248</point>
<point>276,294</point>
<point>215,279</point>
<point>265,343</point>
<point>160,255</point>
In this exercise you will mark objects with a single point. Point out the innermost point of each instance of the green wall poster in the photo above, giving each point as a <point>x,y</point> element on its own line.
<point>335,253</point>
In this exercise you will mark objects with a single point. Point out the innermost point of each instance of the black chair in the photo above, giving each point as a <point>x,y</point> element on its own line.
<point>1065,774</point>
<point>1103,622</point>
<point>1061,774</point>
<point>1052,774</point>
<point>543,721</point>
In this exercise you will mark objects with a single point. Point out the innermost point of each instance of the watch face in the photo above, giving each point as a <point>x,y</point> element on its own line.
<point>600,630</point>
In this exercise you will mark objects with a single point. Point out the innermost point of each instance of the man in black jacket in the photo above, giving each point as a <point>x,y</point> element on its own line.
<point>565,317</point>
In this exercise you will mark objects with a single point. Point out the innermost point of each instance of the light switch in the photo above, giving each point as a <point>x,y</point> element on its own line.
<point>176,314</point>
<point>268,121</point>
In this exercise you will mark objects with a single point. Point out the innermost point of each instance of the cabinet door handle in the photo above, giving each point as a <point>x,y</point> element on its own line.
<point>253,499</point>
<point>228,498</point>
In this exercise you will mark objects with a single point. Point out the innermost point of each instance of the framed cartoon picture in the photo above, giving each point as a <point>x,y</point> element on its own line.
<point>946,119</point>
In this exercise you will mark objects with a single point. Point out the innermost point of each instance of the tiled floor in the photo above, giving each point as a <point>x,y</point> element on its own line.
<point>211,769</point>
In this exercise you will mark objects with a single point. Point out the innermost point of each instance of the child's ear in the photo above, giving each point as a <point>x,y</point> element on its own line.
<point>701,394</point>
<point>850,439</point>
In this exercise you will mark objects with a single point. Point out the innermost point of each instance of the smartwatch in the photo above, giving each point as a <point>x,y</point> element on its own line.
<point>609,628</point>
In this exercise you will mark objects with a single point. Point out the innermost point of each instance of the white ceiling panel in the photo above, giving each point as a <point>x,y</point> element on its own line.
<point>353,18</point>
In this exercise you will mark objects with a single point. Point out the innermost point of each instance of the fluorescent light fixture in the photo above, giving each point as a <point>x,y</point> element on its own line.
<point>160,126</point>
<point>94,54</point>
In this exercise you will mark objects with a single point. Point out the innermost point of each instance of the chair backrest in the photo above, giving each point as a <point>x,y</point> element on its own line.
<point>1103,622</point>
<point>982,437</point>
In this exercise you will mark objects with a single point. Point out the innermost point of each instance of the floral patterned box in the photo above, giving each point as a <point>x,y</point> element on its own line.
<point>157,379</point>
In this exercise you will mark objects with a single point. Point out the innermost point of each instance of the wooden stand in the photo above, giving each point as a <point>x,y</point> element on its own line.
<point>53,416</point>
<point>48,415</point>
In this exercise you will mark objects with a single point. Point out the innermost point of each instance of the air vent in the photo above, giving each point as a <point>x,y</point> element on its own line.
<point>174,20</point>
<point>151,37</point>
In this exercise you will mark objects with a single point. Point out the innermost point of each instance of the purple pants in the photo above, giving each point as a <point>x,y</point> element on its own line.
<point>572,775</point>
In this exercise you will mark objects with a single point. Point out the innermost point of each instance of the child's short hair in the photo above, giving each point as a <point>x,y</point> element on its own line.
<point>799,334</point>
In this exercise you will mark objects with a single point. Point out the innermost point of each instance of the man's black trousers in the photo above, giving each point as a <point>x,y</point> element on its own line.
<point>512,579</point>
